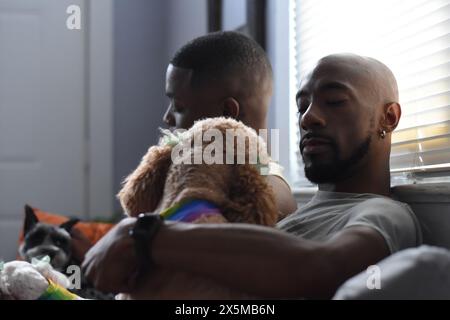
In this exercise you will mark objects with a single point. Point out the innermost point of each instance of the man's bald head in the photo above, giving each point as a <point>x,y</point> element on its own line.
<point>374,76</point>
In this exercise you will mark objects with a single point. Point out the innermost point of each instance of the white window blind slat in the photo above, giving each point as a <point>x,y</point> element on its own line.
<point>419,77</point>
<point>425,118</point>
<point>432,25</point>
<point>412,37</point>
<point>428,61</point>
<point>430,88</point>
<point>429,157</point>
<point>426,146</point>
<point>421,132</point>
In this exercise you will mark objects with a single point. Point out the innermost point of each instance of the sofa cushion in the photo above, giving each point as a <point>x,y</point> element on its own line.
<point>92,230</point>
<point>416,273</point>
<point>431,204</point>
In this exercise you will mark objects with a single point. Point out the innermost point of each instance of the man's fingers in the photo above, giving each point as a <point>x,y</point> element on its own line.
<point>86,268</point>
<point>107,283</point>
<point>133,280</point>
<point>108,265</point>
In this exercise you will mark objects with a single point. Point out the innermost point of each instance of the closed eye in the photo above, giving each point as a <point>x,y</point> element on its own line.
<point>301,111</point>
<point>336,102</point>
<point>302,106</point>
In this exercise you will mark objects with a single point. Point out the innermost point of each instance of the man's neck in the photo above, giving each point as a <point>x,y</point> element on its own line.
<point>363,182</point>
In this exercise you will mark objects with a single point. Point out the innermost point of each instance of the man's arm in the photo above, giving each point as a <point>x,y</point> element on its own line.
<point>283,196</point>
<point>257,260</point>
<point>266,262</point>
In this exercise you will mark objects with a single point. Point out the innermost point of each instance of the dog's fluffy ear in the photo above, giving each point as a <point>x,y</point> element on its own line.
<point>30,219</point>
<point>143,189</point>
<point>252,199</point>
<point>68,225</point>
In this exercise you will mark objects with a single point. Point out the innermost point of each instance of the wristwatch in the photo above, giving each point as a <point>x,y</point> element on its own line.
<point>143,232</point>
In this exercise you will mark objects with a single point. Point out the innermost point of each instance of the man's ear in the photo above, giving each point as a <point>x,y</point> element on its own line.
<point>231,108</point>
<point>30,219</point>
<point>391,116</point>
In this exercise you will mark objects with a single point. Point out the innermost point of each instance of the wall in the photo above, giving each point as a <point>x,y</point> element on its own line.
<point>146,35</point>
<point>278,52</point>
<point>234,14</point>
<point>185,21</point>
<point>139,70</point>
<point>42,84</point>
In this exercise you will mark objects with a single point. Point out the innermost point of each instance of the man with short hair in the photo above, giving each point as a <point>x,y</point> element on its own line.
<point>225,74</point>
<point>348,107</point>
<point>219,74</point>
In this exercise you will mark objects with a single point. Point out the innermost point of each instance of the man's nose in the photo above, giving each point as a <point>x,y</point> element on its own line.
<point>312,118</point>
<point>168,117</point>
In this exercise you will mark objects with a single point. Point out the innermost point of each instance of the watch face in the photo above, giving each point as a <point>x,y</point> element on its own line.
<point>145,229</point>
<point>146,223</point>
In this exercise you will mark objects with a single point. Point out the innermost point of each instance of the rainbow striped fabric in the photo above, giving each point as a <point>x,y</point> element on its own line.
<point>190,210</point>
<point>56,292</point>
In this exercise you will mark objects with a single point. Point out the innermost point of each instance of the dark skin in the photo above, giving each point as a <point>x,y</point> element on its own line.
<point>326,94</point>
<point>230,98</point>
<point>264,261</point>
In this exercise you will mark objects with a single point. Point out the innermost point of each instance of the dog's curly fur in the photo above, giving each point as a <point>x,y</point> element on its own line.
<point>239,190</point>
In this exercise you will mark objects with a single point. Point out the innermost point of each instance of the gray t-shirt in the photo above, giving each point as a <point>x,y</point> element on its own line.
<point>330,212</point>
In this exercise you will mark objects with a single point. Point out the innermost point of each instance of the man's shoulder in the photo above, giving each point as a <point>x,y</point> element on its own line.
<point>382,205</point>
<point>360,201</point>
<point>274,169</point>
<point>395,220</point>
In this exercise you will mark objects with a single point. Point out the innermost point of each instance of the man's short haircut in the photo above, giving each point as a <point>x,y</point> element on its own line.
<point>220,55</point>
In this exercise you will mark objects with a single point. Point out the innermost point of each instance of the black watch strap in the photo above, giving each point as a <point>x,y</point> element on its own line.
<point>143,233</point>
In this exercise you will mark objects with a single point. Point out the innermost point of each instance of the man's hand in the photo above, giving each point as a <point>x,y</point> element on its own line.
<point>111,264</point>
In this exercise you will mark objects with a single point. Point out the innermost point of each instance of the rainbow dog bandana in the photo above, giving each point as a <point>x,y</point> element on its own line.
<point>190,210</point>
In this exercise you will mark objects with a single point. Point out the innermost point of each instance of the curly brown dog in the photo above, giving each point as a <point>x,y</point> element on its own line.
<point>239,191</point>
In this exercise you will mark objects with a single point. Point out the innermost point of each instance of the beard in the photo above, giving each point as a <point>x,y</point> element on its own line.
<point>337,169</point>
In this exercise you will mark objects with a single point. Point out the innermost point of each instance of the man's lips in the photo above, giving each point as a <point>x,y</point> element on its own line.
<point>315,145</point>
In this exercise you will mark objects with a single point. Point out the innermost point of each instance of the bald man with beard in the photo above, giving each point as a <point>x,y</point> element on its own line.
<point>348,108</point>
